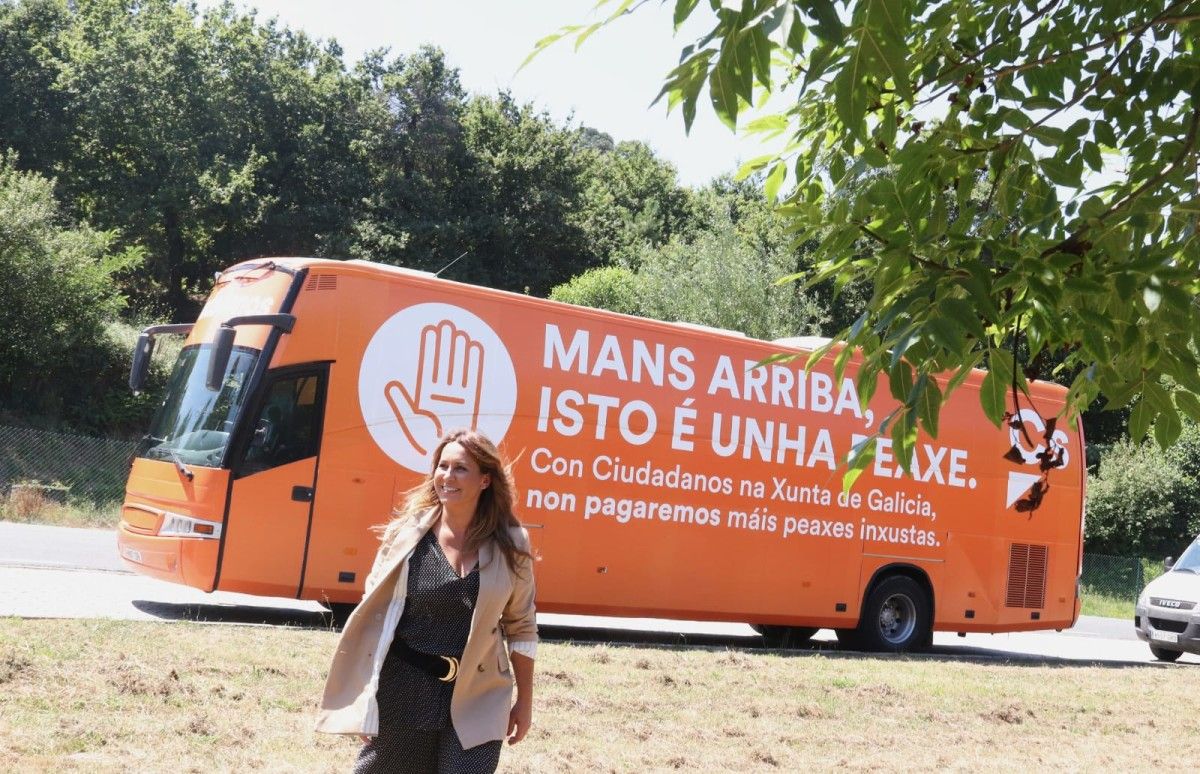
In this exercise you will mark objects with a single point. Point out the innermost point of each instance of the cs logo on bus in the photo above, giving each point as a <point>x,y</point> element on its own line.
<point>429,369</point>
<point>1034,442</point>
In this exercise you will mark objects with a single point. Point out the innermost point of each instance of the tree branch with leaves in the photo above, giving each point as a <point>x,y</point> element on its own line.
<point>1079,120</point>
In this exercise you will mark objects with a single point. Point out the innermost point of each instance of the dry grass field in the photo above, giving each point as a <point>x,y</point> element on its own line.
<point>180,697</point>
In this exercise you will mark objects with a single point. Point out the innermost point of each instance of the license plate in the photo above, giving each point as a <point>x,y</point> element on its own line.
<point>1164,636</point>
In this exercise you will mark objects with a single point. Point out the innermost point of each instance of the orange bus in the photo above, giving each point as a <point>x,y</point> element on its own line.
<point>662,469</point>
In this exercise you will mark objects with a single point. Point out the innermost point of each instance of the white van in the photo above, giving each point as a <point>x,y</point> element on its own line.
<point>1168,611</point>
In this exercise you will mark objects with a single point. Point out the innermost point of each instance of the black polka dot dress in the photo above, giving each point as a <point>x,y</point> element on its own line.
<point>415,732</point>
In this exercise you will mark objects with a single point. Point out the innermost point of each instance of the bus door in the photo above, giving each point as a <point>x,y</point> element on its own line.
<point>274,483</point>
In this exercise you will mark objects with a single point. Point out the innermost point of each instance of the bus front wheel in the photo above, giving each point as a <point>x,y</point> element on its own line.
<point>896,617</point>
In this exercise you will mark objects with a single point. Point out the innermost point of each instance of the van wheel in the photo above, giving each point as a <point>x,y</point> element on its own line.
<point>896,617</point>
<point>1162,654</point>
<point>784,636</point>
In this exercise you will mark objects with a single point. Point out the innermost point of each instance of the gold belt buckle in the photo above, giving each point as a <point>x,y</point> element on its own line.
<point>451,668</point>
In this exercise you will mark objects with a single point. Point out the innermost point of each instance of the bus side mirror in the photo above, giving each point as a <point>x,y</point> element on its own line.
<point>141,361</point>
<point>222,346</point>
<point>144,348</point>
<point>1168,563</point>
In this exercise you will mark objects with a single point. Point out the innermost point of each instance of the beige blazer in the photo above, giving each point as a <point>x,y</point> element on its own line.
<point>482,695</point>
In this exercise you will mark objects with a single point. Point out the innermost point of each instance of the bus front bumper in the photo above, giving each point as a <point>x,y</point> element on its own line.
<point>185,560</point>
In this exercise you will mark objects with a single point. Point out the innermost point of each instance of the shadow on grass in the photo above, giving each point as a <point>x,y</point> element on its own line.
<point>824,647</point>
<point>235,614</point>
<point>662,640</point>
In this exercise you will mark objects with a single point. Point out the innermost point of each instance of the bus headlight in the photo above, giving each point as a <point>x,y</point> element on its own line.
<point>175,525</point>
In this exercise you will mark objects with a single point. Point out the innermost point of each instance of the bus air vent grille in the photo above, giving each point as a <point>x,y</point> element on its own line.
<point>321,282</point>
<point>1027,575</point>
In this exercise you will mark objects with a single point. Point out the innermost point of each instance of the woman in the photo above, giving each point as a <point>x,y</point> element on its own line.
<point>421,671</point>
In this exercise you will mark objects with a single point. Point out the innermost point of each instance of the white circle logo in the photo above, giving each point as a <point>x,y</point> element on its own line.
<point>429,369</point>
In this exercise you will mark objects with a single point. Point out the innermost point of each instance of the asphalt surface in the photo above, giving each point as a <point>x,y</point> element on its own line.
<point>59,572</point>
<point>36,545</point>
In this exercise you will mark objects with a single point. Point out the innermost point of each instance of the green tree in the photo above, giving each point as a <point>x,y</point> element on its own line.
<point>205,140</point>
<point>1033,96</point>
<point>1143,501</point>
<point>210,138</point>
<point>521,225</point>
<point>730,283</point>
<point>144,129</point>
<point>525,200</point>
<point>632,202</point>
<point>420,165</point>
<point>740,202</point>
<point>57,295</point>
<point>35,116</point>
<point>615,288</point>
<point>294,124</point>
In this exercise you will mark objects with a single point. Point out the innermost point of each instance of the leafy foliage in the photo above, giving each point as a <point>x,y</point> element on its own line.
<point>527,203</point>
<point>894,110</point>
<point>421,170</point>
<point>207,139</point>
<point>1144,501</point>
<point>633,202</point>
<point>725,277</point>
<point>57,294</point>
<point>522,224</point>
<point>34,115</point>
<point>198,138</point>
<point>614,288</point>
<point>721,282</point>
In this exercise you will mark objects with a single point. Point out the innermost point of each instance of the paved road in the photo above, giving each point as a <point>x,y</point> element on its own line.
<point>56,572</point>
<point>36,545</point>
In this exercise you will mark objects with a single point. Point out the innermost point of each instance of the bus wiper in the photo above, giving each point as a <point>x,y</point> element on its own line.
<point>183,469</point>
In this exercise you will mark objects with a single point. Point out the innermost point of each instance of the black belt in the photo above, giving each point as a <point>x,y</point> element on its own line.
<point>444,668</point>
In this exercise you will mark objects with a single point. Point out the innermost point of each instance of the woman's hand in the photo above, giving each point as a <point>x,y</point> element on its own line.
<point>519,719</point>
<point>521,714</point>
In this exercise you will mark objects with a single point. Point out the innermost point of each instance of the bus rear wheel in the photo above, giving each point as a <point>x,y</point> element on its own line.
<point>339,612</point>
<point>896,617</point>
<point>784,636</point>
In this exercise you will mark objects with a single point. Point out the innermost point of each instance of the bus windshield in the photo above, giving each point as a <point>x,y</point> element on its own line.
<point>194,423</point>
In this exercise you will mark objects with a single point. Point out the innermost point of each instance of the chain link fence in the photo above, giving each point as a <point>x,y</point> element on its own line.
<point>62,478</point>
<point>1117,577</point>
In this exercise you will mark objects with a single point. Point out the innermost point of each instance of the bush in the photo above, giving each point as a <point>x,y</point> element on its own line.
<point>614,288</point>
<point>719,279</point>
<point>1142,501</point>
<point>57,298</point>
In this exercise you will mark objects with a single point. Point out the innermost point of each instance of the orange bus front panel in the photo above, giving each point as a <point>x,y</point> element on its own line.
<point>161,497</point>
<point>189,561</point>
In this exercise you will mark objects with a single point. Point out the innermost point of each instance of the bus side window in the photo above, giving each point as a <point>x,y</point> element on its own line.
<point>287,426</point>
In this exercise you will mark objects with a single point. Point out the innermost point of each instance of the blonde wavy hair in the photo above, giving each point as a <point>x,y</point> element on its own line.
<point>494,514</point>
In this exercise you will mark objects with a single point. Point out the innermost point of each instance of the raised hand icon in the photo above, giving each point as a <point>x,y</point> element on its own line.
<point>447,387</point>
